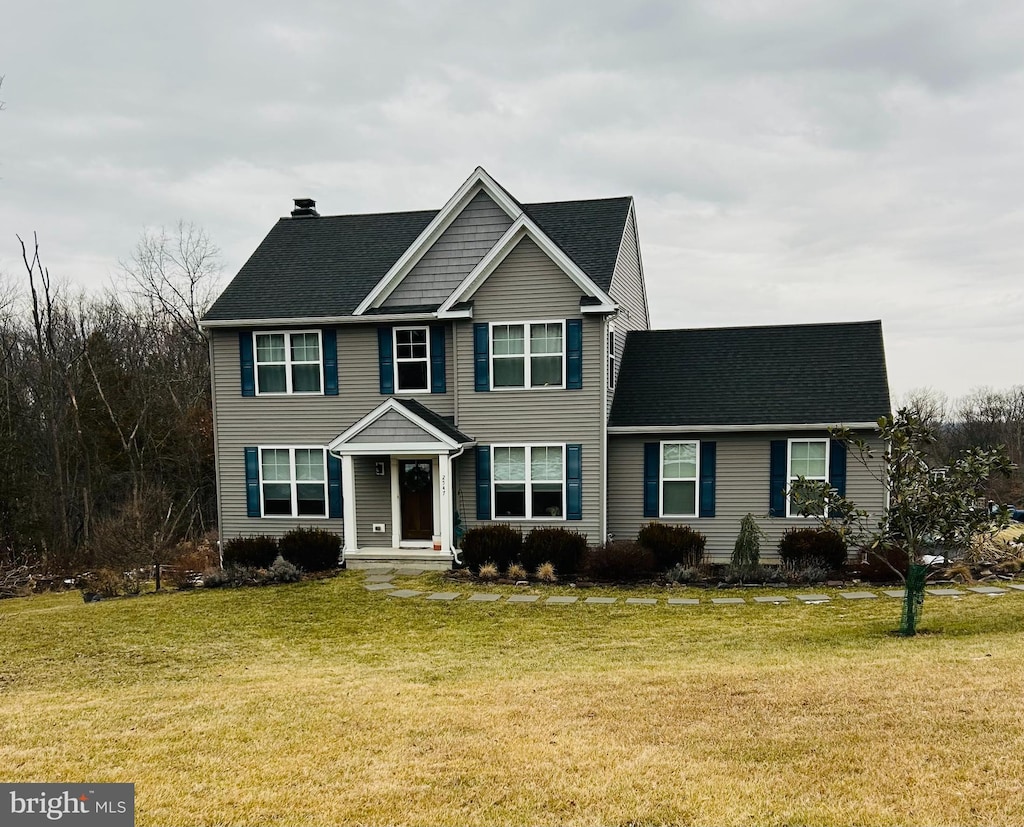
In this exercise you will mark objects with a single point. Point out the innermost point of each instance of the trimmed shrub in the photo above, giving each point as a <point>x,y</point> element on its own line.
<point>673,545</point>
<point>498,543</point>
<point>311,549</point>
<point>875,570</point>
<point>254,552</point>
<point>621,560</point>
<point>562,548</point>
<point>802,547</point>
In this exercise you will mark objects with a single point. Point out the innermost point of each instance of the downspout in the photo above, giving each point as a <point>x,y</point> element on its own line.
<point>216,449</point>
<point>451,473</point>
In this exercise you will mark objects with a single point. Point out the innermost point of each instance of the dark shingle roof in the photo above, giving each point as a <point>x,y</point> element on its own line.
<point>787,375</point>
<point>313,267</point>
<point>442,423</point>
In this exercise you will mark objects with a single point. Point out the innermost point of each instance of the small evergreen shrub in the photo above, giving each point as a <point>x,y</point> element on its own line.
<point>283,571</point>
<point>683,574</point>
<point>620,560</point>
<point>232,576</point>
<point>808,573</point>
<point>311,549</point>
<point>673,544</point>
<point>877,567</point>
<point>562,548</point>
<point>801,547</point>
<point>254,552</point>
<point>497,543</point>
<point>746,553</point>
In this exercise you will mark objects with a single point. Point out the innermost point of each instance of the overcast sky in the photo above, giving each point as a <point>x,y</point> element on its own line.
<point>791,161</point>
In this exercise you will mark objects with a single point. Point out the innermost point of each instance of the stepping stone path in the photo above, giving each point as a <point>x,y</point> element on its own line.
<point>379,579</point>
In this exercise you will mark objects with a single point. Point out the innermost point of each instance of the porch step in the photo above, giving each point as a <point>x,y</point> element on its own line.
<point>374,558</point>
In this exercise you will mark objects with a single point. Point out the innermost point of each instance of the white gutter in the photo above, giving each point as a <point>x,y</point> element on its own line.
<point>712,429</point>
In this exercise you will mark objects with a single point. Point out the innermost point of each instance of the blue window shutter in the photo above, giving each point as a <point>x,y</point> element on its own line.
<point>252,482</point>
<point>245,358</point>
<point>483,482</point>
<point>574,354</point>
<point>708,458</point>
<point>333,485</point>
<point>437,379</point>
<point>652,461</point>
<point>481,359</point>
<point>777,479</point>
<point>837,466</point>
<point>330,339</point>
<point>385,350</point>
<point>574,482</point>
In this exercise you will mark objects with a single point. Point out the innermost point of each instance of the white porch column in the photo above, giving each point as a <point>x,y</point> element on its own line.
<point>348,496</point>
<point>444,463</point>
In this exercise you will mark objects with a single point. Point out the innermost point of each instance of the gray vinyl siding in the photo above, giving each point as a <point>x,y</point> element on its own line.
<point>455,253</point>
<point>373,502</point>
<point>393,427</point>
<point>295,420</point>
<point>528,286</point>
<point>741,487</point>
<point>627,291</point>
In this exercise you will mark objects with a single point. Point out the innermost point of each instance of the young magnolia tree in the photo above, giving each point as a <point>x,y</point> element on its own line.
<point>930,512</point>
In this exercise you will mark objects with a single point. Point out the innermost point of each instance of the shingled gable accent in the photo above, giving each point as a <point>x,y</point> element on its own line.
<point>524,227</point>
<point>436,432</point>
<point>479,181</point>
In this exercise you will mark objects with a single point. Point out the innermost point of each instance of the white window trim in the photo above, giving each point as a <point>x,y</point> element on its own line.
<point>293,482</point>
<point>791,478</point>
<point>395,359</point>
<point>525,324</point>
<point>288,363</point>
<point>529,446</point>
<point>661,479</point>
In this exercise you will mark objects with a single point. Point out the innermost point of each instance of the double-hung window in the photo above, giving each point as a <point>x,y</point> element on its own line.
<point>528,355</point>
<point>680,472</point>
<point>289,362</point>
<point>808,458</point>
<point>529,481</point>
<point>293,482</point>
<point>412,359</point>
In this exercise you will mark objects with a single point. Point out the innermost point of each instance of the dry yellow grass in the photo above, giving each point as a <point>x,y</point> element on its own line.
<point>323,704</point>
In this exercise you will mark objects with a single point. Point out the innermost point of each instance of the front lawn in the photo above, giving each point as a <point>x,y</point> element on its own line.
<point>322,703</point>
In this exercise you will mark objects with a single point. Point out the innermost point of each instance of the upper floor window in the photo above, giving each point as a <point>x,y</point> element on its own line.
<point>808,458</point>
<point>680,466</point>
<point>293,482</point>
<point>412,359</point>
<point>529,481</point>
<point>289,362</point>
<point>528,355</point>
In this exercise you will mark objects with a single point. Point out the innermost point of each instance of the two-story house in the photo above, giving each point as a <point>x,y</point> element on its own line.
<point>395,376</point>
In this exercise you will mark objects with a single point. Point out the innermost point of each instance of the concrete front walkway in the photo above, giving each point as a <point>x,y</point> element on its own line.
<point>379,580</point>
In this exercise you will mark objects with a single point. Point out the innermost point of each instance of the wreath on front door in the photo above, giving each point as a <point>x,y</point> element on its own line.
<point>416,479</point>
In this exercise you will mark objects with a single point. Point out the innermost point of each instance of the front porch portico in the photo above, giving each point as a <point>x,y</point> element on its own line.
<point>398,485</point>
